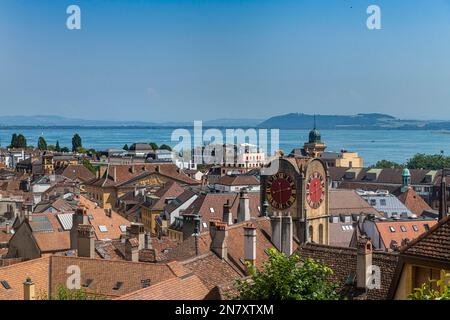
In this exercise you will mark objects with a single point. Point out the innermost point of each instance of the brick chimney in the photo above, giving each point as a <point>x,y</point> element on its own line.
<point>148,241</point>
<point>219,234</point>
<point>29,290</point>
<point>244,206</point>
<point>132,250</point>
<point>86,241</point>
<point>227,216</point>
<point>363,262</point>
<point>136,230</point>
<point>250,243</point>
<point>275,223</point>
<point>79,217</point>
<point>286,235</point>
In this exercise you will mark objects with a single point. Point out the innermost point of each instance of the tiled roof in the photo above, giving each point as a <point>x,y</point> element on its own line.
<point>238,180</point>
<point>212,270</point>
<point>76,172</point>
<point>127,173</point>
<point>393,233</point>
<point>349,202</point>
<point>340,234</point>
<point>170,190</point>
<point>433,244</point>
<point>182,198</point>
<point>109,278</point>
<point>414,202</point>
<point>210,206</point>
<point>184,288</point>
<point>112,223</point>
<point>343,263</point>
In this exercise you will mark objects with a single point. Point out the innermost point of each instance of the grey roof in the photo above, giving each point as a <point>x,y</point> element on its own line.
<point>41,224</point>
<point>388,204</point>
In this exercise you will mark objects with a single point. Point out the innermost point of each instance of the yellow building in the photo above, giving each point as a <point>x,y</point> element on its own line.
<point>114,181</point>
<point>423,258</point>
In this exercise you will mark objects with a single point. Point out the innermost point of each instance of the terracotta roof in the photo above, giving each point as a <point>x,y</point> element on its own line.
<point>76,172</point>
<point>414,202</point>
<point>127,173</point>
<point>112,223</point>
<point>109,278</point>
<point>212,270</point>
<point>340,234</point>
<point>170,190</point>
<point>59,204</point>
<point>393,233</point>
<point>182,198</point>
<point>185,288</point>
<point>210,206</point>
<point>343,263</point>
<point>433,244</point>
<point>238,180</point>
<point>16,274</point>
<point>349,202</point>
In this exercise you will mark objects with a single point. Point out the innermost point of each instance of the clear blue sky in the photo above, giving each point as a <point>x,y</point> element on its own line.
<point>186,60</point>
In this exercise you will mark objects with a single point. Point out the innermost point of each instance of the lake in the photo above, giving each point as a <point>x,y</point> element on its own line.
<point>372,145</point>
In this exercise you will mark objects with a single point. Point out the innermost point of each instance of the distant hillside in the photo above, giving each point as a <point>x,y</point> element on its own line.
<point>359,121</point>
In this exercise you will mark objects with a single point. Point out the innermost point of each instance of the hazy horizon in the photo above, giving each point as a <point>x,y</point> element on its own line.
<point>179,61</point>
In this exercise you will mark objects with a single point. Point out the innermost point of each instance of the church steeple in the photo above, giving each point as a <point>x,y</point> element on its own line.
<point>314,147</point>
<point>406,180</point>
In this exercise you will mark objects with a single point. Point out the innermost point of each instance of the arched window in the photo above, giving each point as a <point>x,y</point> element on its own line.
<point>311,234</point>
<point>321,234</point>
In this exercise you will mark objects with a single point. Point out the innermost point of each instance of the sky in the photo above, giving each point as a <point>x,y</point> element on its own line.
<point>176,60</point>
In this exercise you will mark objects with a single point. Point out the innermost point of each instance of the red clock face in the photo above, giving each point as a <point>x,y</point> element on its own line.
<point>280,191</point>
<point>315,190</point>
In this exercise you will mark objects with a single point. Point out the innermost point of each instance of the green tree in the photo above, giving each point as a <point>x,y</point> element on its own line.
<point>433,290</point>
<point>285,278</point>
<point>76,142</point>
<point>21,141</point>
<point>429,162</point>
<point>153,145</point>
<point>57,147</point>
<point>63,293</point>
<point>386,164</point>
<point>42,144</point>
<point>65,149</point>
<point>13,141</point>
<point>89,166</point>
<point>125,147</point>
<point>165,147</point>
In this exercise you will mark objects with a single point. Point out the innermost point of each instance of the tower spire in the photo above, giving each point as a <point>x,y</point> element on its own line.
<point>315,121</point>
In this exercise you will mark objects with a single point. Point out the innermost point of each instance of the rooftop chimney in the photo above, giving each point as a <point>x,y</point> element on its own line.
<point>136,230</point>
<point>148,241</point>
<point>8,228</point>
<point>250,244</point>
<point>29,290</point>
<point>227,216</point>
<point>86,241</point>
<point>244,206</point>
<point>275,223</point>
<point>132,250</point>
<point>363,262</point>
<point>443,207</point>
<point>286,235</point>
<point>265,207</point>
<point>114,173</point>
<point>108,212</point>
<point>78,218</point>
<point>219,234</point>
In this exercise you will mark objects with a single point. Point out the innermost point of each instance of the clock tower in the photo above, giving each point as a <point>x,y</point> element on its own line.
<point>299,188</point>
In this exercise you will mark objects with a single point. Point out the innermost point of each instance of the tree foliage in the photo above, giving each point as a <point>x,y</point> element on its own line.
<point>125,147</point>
<point>76,142</point>
<point>430,162</point>
<point>57,147</point>
<point>165,147</point>
<point>63,293</point>
<point>42,144</point>
<point>286,278</point>
<point>153,145</point>
<point>433,290</point>
<point>88,165</point>
<point>386,164</point>
<point>18,141</point>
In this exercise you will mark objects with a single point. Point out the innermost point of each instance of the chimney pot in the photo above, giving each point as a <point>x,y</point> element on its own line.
<point>275,222</point>
<point>363,262</point>
<point>86,241</point>
<point>219,235</point>
<point>132,250</point>
<point>29,290</point>
<point>227,215</point>
<point>244,206</point>
<point>250,244</point>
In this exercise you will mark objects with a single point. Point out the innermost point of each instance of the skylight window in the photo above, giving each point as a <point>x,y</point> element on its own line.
<point>5,284</point>
<point>123,228</point>
<point>118,285</point>
<point>382,202</point>
<point>211,210</point>
<point>205,225</point>
<point>391,228</point>
<point>415,228</point>
<point>103,228</point>
<point>403,228</point>
<point>87,283</point>
<point>426,226</point>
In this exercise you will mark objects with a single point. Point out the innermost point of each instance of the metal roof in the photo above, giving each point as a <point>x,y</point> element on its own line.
<point>66,220</point>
